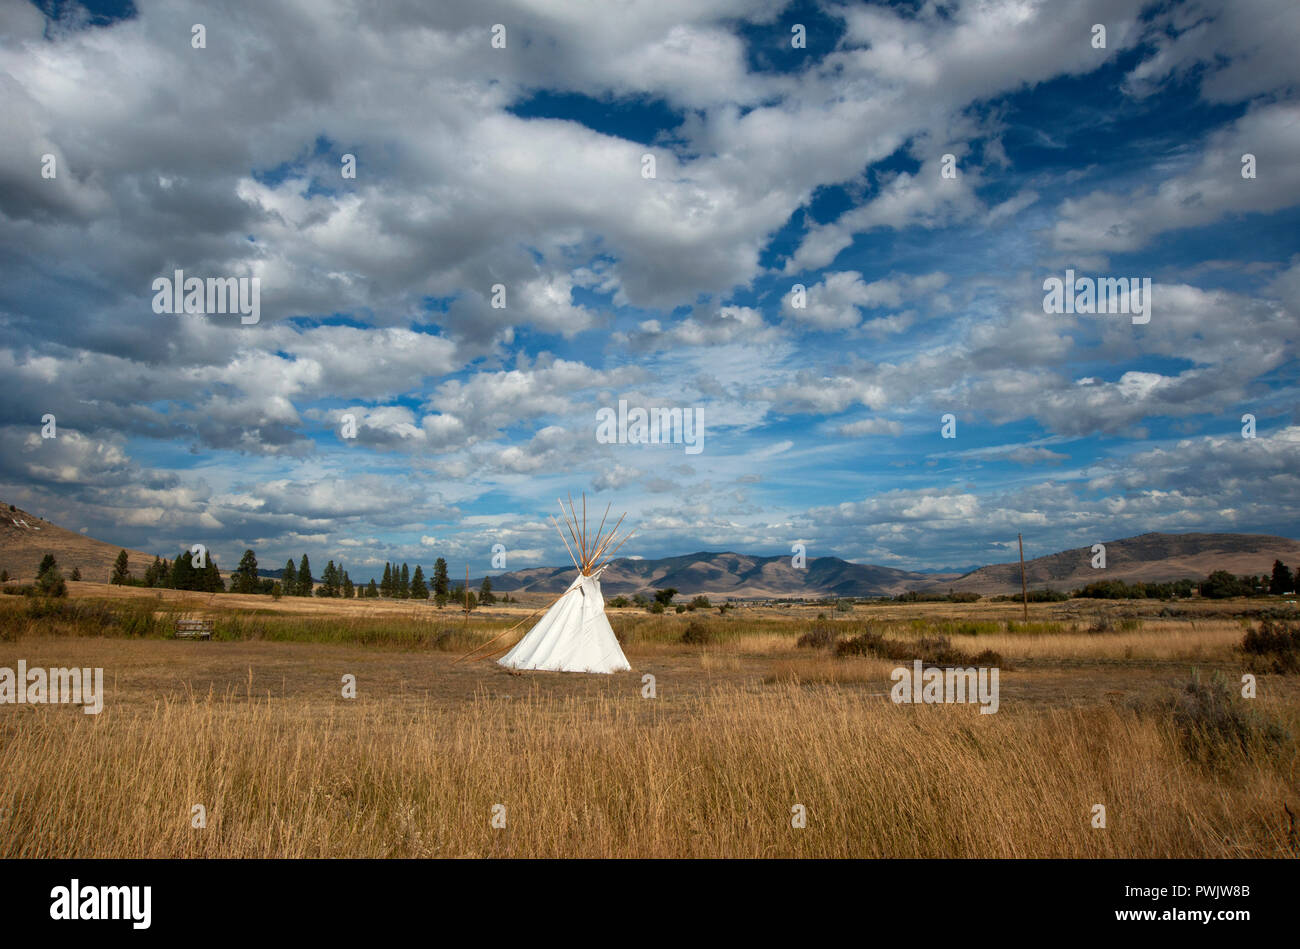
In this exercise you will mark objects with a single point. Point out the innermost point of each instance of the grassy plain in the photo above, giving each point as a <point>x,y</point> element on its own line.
<point>745,725</point>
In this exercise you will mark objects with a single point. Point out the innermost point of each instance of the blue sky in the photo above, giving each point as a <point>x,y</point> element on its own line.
<point>775,166</point>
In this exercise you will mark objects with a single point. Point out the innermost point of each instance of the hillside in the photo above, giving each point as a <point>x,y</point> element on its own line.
<point>26,538</point>
<point>727,574</point>
<point>1148,558</point>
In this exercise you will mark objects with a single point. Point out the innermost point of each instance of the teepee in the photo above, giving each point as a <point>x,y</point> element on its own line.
<point>575,635</point>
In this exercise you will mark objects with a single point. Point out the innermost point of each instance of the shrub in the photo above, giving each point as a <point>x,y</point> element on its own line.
<point>697,634</point>
<point>937,651</point>
<point>1274,647</point>
<point>44,607</point>
<point>1214,725</point>
<point>1103,623</point>
<point>51,583</point>
<point>821,636</point>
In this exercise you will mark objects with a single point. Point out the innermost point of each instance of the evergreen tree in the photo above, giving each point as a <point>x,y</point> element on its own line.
<point>349,591</point>
<point>183,572</point>
<point>209,578</point>
<point>305,580</point>
<point>329,581</point>
<point>245,579</point>
<point>386,584</point>
<point>372,591</point>
<point>76,573</point>
<point>440,583</point>
<point>47,563</point>
<point>1282,580</point>
<point>459,600</point>
<point>404,584</point>
<point>289,579</point>
<point>121,573</point>
<point>419,591</point>
<point>164,572</point>
<point>485,592</point>
<point>51,582</point>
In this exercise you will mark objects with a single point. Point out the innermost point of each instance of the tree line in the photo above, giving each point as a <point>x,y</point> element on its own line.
<point>298,580</point>
<point>1218,585</point>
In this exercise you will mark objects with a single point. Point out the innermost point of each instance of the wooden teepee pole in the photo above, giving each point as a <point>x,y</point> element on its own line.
<point>616,549</point>
<point>572,533</point>
<point>612,534</point>
<point>601,529</point>
<point>563,538</point>
<point>582,541</point>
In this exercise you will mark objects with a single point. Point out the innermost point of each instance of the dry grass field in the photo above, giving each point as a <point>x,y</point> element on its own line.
<point>745,725</point>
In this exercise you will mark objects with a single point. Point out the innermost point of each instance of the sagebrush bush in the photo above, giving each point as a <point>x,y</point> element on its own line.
<point>821,636</point>
<point>698,634</point>
<point>936,651</point>
<point>1273,647</point>
<point>1216,726</point>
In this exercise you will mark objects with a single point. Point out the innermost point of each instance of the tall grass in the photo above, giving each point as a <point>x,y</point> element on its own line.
<point>626,777</point>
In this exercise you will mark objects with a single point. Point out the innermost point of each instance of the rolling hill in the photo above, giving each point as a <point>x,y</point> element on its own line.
<point>26,538</point>
<point>1147,558</point>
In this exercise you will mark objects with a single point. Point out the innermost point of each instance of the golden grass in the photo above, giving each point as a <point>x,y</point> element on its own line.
<point>1166,640</point>
<point>744,728</point>
<point>623,777</point>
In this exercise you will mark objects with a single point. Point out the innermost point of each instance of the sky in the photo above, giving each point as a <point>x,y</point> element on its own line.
<point>920,169</point>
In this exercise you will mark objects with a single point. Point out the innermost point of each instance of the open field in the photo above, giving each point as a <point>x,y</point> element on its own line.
<point>744,726</point>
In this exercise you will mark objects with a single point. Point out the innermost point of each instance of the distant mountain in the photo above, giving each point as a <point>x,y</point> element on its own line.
<point>26,538</point>
<point>1148,558</point>
<point>726,574</point>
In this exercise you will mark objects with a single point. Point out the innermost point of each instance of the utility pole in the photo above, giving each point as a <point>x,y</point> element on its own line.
<point>1024,590</point>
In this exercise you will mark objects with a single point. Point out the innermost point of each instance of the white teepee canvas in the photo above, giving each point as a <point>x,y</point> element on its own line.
<point>575,635</point>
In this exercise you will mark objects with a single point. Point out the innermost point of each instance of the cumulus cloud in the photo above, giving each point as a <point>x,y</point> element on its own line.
<point>515,176</point>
